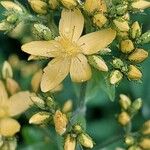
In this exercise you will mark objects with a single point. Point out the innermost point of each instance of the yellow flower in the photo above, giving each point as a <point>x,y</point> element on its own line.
<point>9,107</point>
<point>69,50</point>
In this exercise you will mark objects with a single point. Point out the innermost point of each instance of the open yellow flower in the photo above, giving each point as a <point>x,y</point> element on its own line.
<point>9,107</point>
<point>69,50</point>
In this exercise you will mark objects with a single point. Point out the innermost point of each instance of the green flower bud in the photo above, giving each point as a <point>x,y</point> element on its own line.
<point>135,30</point>
<point>121,9</point>
<point>145,38</point>
<point>117,63</point>
<point>129,140</point>
<point>115,77</point>
<point>38,101</point>
<point>12,18</point>
<point>137,104</point>
<point>134,148</point>
<point>77,129</point>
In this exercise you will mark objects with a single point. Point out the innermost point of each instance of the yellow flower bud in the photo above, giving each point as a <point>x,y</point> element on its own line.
<point>98,63</point>
<point>39,118</point>
<point>115,77</point>
<point>124,118</point>
<point>134,73</point>
<point>99,19</point>
<point>124,101</point>
<point>134,148</point>
<point>129,140</point>
<point>12,86</point>
<point>145,143</point>
<point>38,101</point>
<point>69,3</point>
<point>127,46</point>
<point>122,25</point>
<point>11,6</point>
<point>85,140</point>
<point>38,6</point>
<point>67,106</point>
<point>135,30</point>
<point>146,128</point>
<point>53,4</point>
<point>60,121</point>
<point>138,55</point>
<point>7,70</point>
<point>70,143</point>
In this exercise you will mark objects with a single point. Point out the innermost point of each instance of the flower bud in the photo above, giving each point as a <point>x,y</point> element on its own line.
<point>11,6</point>
<point>121,24</point>
<point>12,86</point>
<point>67,106</point>
<point>60,121</point>
<point>124,118</point>
<point>115,77</point>
<point>69,3</point>
<point>42,32</point>
<point>138,55</point>
<point>53,4</point>
<point>117,63</point>
<point>129,140</point>
<point>4,26</point>
<point>77,129</point>
<point>12,18</point>
<point>98,63</point>
<point>38,6</point>
<point>145,143</point>
<point>145,38</point>
<point>122,35</point>
<point>121,9</point>
<point>99,19</point>
<point>39,118</point>
<point>134,148</point>
<point>137,104</point>
<point>135,30</point>
<point>127,46</point>
<point>38,102</point>
<point>124,101</point>
<point>7,70</point>
<point>146,128</point>
<point>134,73</point>
<point>85,140</point>
<point>141,4</point>
<point>70,143</point>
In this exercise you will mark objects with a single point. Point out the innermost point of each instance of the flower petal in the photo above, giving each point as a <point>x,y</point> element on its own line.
<point>42,48</point>
<point>141,4</point>
<point>71,24</point>
<point>80,70</point>
<point>96,41</point>
<point>19,103</point>
<point>55,73</point>
<point>9,127</point>
<point>3,93</point>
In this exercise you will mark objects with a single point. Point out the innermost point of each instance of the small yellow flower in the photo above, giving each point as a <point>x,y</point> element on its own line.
<point>70,143</point>
<point>60,121</point>
<point>69,50</point>
<point>9,107</point>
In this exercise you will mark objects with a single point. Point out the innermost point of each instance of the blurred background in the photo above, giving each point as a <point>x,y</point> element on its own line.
<point>101,111</point>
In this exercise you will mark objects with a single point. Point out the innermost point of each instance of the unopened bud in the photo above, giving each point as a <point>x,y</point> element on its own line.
<point>11,6</point>
<point>77,129</point>
<point>53,4</point>
<point>123,35</point>
<point>115,77</point>
<point>124,118</point>
<point>117,63</point>
<point>85,140</point>
<point>98,63</point>
<point>146,128</point>
<point>99,19</point>
<point>39,118</point>
<point>12,18</point>
<point>121,8</point>
<point>60,121</point>
<point>67,106</point>
<point>7,70</point>
<point>38,102</point>
<point>137,104</point>
<point>4,26</point>
<point>145,38</point>
<point>69,3</point>
<point>38,6</point>
<point>124,101</point>
<point>42,32</point>
<point>127,46</point>
<point>129,140</point>
<point>70,143</point>
<point>145,143</point>
<point>121,25</point>
<point>134,73</point>
<point>138,55</point>
<point>134,148</point>
<point>135,30</point>
<point>141,4</point>
<point>50,102</point>
<point>12,86</point>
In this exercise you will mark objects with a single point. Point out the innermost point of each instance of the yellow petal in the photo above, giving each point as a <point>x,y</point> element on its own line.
<point>55,73</point>
<point>93,42</point>
<point>9,127</point>
<point>19,103</point>
<point>71,24</point>
<point>80,70</point>
<point>3,93</point>
<point>42,48</point>
<point>141,4</point>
